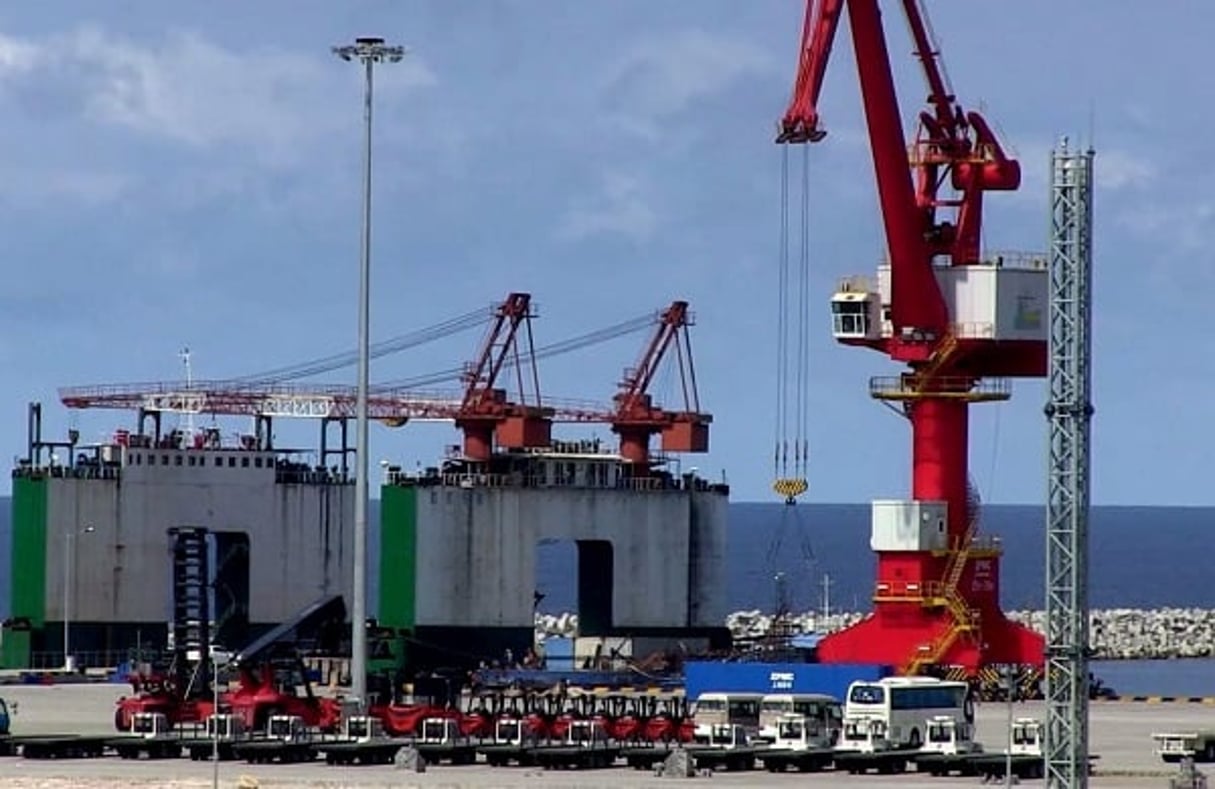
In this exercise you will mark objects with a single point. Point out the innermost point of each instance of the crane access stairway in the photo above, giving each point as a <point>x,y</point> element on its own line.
<point>963,620</point>
<point>931,380</point>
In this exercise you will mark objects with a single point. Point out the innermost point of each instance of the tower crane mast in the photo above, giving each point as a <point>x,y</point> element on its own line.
<point>956,318</point>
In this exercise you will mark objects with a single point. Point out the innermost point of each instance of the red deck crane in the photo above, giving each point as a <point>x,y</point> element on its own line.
<point>635,417</point>
<point>485,409</point>
<point>955,318</point>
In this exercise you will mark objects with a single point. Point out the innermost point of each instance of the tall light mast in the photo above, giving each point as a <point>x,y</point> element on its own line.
<point>368,51</point>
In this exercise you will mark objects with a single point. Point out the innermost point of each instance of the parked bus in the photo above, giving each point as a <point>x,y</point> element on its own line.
<point>901,707</point>
<point>825,710</point>
<point>718,708</point>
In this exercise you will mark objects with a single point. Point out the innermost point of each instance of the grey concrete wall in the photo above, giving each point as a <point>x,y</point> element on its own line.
<point>298,536</point>
<point>477,550</point>
<point>707,590</point>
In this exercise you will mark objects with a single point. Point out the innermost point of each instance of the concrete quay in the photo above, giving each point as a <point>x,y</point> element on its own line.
<point>1116,633</point>
<point>1121,736</point>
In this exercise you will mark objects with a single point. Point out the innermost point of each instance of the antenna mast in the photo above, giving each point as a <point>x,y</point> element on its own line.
<point>184,355</point>
<point>826,597</point>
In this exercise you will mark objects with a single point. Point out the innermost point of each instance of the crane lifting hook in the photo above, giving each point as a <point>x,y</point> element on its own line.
<point>790,488</point>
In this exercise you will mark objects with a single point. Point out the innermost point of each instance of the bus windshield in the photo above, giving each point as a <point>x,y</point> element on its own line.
<point>867,694</point>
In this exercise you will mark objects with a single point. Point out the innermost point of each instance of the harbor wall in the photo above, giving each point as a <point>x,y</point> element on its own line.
<point>1115,633</point>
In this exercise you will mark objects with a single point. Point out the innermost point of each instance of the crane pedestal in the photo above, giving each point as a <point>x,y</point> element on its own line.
<point>937,591</point>
<point>914,633</point>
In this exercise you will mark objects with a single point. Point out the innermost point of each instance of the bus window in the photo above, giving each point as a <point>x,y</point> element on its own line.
<point>866,694</point>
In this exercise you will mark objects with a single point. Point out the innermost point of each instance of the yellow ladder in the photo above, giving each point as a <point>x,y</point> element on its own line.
<point>963,618</point>
<point>940,355</point>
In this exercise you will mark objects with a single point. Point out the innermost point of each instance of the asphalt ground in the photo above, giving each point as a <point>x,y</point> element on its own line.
<point>1120,735</point>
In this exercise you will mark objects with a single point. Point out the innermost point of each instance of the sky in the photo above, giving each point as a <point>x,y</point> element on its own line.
<point>188,175</point>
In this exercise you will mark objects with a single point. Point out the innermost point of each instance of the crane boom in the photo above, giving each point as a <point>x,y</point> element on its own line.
<point>499,345</point>
<point>635,416</point>
<point>917,309</point>
<point>637,380</point>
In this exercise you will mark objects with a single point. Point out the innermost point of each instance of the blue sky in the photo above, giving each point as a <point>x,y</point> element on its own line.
<point>187,174</point>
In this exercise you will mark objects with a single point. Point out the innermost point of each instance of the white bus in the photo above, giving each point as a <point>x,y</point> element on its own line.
<point>824,710</point>
<point>721,708</point>
<point>897,709</point>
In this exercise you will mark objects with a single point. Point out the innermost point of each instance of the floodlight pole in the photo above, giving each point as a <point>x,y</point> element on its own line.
<point>368,50</point>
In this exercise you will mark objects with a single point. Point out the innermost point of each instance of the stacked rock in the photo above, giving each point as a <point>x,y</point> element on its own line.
<point>1115,634</point>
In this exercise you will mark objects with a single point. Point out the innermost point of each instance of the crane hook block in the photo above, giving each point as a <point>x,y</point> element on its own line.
<point>790,488</point>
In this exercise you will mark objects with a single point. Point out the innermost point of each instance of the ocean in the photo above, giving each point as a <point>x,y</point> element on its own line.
<point>1134,559</point>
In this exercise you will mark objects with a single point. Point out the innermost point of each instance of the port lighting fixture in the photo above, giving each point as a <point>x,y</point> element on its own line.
<point>368,51</point>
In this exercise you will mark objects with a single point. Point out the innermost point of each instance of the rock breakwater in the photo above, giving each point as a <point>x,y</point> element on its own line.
<point>1115,633</point>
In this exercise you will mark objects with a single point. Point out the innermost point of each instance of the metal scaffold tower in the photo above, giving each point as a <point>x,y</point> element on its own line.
<point>1069,412</point>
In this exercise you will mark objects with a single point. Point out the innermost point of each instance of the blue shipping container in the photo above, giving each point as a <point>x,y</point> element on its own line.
<point>559,654</point>
<point>830,678</point>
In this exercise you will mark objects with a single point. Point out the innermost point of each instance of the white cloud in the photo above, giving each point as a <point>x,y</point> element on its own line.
<point>1117,169</point>
<point>662,76</point>
<point>31,187</point>
<point>188,90</point>
<point>1185,229</point>
<point>622,207</point>
<point>16,56</point>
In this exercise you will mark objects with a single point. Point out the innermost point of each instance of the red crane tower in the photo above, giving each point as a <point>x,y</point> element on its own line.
<point>635,417</point>
<point>956,319</point>
<point>485,410</point>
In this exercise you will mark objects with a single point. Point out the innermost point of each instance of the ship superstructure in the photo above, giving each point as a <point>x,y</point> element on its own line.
<point>458,540</point>
<point>91,529</point>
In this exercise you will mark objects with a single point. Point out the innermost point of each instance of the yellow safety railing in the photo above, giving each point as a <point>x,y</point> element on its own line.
<point>910,387</point>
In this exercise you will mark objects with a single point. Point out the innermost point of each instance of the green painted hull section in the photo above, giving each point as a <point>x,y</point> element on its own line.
<point>398,556</point>
<point>28,570</point>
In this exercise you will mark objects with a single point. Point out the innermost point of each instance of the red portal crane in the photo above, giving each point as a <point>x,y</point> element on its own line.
<point>485,410</point>
<point>955,318</point>
<point>636,418</point>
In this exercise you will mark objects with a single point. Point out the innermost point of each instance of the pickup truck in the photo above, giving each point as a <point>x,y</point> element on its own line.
<point>1196,744</point>
<point>800,743</point>
<point>150,734</point>
<point>363,742</point>
<point>587,745</point>
<point>221,733</point>
<point>948,747</point>
<point>864,746</point>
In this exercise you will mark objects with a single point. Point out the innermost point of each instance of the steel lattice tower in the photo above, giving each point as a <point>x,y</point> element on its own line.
<point>1068,411</point>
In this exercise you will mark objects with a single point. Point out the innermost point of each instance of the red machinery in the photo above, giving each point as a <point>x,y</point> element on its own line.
<point>269,671</point>
<point>636,418</point>
<point>485,410</point>
<point>954,319</point>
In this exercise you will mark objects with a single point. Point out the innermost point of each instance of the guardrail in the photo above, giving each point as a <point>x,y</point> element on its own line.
<point>907,387</point>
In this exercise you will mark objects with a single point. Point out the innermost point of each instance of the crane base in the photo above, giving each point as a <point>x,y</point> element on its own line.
<point>897,633</point>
